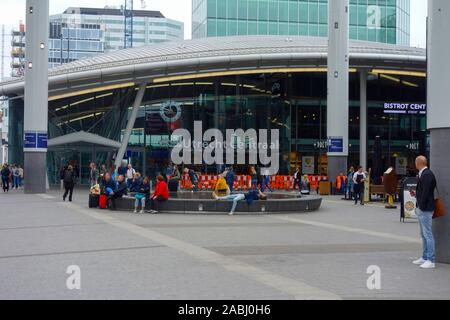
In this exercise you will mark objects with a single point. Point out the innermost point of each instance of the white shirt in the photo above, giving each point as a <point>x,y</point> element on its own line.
<point>421,171</point>
<point>355,176</point>
<point>130,173</point>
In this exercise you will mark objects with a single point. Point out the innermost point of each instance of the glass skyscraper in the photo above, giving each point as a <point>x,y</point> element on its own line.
<point>384,21</point>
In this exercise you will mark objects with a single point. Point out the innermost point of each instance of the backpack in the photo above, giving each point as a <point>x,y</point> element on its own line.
<point>68,176</point>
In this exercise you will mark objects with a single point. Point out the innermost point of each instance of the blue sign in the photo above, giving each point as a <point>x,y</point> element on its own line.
<point>30,140</point>
<point>42,139</point>
<point>335,145</point>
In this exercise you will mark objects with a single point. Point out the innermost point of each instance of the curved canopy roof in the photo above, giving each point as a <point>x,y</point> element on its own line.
<point>214,55</point>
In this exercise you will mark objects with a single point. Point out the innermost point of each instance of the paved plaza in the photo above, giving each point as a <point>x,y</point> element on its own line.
<point>319,255</point>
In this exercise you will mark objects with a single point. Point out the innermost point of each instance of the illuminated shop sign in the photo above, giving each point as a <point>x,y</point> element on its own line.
<point>405,108</point>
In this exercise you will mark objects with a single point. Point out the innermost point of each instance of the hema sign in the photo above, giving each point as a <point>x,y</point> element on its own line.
<point>405,108</point>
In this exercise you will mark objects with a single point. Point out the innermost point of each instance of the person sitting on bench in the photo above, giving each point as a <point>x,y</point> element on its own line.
<point>120,191</point>
<point>142,193</point>
<point>161,194</point>
<point>222,192</point>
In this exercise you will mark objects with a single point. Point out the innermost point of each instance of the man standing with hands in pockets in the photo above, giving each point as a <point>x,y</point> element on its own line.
<point>424,210</point>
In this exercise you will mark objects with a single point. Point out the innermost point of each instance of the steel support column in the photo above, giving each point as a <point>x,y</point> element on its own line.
<point>363,119</point>
<point>36,96</point>
<point>438,118</point>
<point>130,124</point>
<point>338,87</point>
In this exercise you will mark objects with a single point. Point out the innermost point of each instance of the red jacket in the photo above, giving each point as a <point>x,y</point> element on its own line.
<point>161,190</point>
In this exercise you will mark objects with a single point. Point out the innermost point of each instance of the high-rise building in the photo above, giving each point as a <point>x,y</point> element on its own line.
<point>384,21</point>
<point>148,26</point>
<point>80,33</point>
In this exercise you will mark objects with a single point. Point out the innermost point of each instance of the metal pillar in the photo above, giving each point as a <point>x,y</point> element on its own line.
<point>130,124</point>
<point>363,119</point>
<point>438,119</point>
<point>338,87</point>
<point>36,96</point>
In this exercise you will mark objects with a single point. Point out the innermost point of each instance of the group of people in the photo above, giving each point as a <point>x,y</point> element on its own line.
<point>223,190</point>
<point>353,184</point>
<point>12,175</point>
<point>126,180</point>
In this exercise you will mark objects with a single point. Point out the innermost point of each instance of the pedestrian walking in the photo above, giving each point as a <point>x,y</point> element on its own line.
<point>297,179</point>
<point>425,207</point>
<point>358,185</point>
<point>350,184</point>
<point>69,183</point>
<point>20,176</point>
<point>16,177</point>
<point>5,173</point>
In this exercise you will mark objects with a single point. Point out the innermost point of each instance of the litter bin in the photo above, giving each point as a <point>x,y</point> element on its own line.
<point>324,188</point>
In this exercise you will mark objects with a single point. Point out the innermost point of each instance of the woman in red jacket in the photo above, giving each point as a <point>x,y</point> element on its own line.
<point>161,194</point>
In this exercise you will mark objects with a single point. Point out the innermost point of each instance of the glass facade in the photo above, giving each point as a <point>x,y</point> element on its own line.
<point>384,21</point>
<point>75,42</point>
<point>293,103</point>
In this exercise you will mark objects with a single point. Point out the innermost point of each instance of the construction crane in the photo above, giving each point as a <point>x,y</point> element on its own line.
<point>127,10</point>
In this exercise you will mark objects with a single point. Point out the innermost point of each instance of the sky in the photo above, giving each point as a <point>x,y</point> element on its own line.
<point>12,11</point>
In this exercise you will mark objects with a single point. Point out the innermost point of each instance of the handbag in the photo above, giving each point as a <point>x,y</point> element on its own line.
<point>439,210</point>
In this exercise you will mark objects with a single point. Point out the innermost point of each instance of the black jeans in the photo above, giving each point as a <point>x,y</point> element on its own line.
<point>5,183</point>
<point>359,192</point>
<point>154,203</point>
<point>298,182</point>
<point>69,190</point>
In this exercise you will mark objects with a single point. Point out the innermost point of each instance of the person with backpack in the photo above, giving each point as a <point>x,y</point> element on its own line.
<point>142,194</point>
<point>69,182</point>
<point>358,185</point>
<point>5,173</point>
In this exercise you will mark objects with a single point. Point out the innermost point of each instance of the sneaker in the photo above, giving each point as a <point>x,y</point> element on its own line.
<point>419,262</point>
<point>142,211</point>
<point>135,211</point>
<point>428,265</point>
<point>231,214</point>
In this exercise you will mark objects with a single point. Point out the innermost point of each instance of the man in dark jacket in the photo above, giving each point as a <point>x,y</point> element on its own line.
<point>69,183</point>
<point>425,207</point>
<point>5,173</point>
<point>119,192</point>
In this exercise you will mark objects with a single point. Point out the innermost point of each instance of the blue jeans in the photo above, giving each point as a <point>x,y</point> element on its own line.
<point>16,182</point>
<point>235,198</point>
<point>426,232</point>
